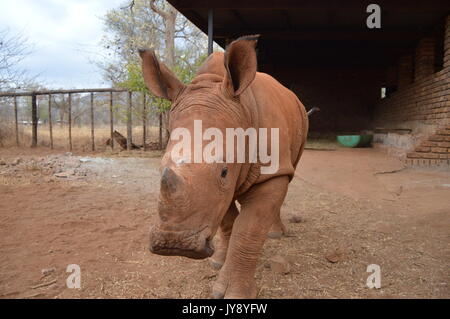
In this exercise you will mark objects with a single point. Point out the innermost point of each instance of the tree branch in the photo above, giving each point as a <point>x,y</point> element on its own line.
<point>130,6</point>
<point>157,10</point>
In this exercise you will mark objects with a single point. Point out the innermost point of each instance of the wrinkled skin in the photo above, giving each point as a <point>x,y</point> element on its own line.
<point>198,200</point>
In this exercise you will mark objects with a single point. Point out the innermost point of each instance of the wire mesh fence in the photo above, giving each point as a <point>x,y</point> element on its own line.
<point>88,119</point>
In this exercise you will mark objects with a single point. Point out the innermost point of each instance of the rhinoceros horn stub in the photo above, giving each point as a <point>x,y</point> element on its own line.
<point>169,181</point>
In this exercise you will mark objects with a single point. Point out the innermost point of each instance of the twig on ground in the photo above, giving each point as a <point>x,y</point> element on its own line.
<point>44,284</point>
<point>390,172</point>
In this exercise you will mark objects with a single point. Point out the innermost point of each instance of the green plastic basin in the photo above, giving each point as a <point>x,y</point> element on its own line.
<point>355,140</point>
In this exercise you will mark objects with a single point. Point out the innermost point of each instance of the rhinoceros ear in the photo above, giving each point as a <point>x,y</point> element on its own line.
<point>241,64</point>
<point>158,78</point>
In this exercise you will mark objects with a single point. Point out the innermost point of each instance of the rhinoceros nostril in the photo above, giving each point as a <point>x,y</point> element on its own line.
<point>224,172</point>
<point>169,180</point>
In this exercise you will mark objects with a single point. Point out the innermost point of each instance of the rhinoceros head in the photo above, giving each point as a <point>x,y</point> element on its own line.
<point>195,195</point>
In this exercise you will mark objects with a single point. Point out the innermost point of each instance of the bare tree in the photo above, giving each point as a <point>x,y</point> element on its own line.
<point>13,49</point>
<point>149,24</point>
<point>169,16</point>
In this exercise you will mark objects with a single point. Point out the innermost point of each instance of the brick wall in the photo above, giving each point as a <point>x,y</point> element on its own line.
<point>405,71</point>
<point>424,58</point>
<point>426,101</point>
<point>421,104</point>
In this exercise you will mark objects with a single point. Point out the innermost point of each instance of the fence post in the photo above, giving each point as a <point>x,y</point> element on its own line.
<point>92,122</point>
<point>50,120</point>
<point>210,31</point>
<point>111,117</point>
<point>129,123</point>
<point>144,121</point>
<point>34,120</point>
<point>160,131</point>
<point>17,120</point>
<point>70,121</point>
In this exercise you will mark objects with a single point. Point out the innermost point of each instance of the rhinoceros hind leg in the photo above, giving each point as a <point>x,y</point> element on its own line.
<point>220,252</point>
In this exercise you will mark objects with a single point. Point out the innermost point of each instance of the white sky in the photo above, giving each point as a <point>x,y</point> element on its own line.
<point>66,36</point>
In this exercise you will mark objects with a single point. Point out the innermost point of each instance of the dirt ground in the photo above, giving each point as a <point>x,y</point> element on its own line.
<point>357,207</point>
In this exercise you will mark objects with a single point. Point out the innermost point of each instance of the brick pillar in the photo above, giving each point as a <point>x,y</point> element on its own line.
<point>391,76</point>
<point>447,43</point>
<point>405,71</point>
<point>424,63</point>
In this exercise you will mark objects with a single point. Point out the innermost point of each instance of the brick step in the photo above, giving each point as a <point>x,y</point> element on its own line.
<point>428,155</point>
<point>444,132</point>
<point>427,162</point>
<point>432,149</point>
<point>435,150</point>
<point>439,138</point>
<point>434,144</point>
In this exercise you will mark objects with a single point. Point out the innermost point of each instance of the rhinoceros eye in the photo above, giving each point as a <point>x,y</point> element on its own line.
<point>224,172</point>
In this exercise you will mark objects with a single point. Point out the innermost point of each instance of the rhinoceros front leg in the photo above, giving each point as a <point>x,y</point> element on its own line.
<point>224,235</point>
<point>259,209</point>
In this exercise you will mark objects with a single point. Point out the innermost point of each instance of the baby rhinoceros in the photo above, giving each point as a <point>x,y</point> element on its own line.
<point>202,179</point>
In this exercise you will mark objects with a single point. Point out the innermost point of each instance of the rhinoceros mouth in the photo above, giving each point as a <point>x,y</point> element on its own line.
<point>206,252</point>
<point>191,244</point>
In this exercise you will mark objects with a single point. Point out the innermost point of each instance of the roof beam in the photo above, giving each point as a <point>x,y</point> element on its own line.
<point>241,20</point>
<point>287,19</point>
<point>402,5</point>
<point>382,35</point>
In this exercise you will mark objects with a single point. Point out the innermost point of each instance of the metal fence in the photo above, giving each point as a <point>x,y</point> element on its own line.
<point>94,113</point>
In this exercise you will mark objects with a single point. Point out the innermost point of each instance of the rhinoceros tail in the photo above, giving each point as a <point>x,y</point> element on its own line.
<point>313,110</point>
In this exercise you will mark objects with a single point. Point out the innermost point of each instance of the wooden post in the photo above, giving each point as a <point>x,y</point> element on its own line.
<point>111,117</point>
<point>34,120</point>
<point>144,121</point>
<point>92,122</point>
<point>129,123</point>
<point>160,131</point>
<point>16,120</point>
<point>210,30</point>
<point>70,121</point>
<point>50,127</point>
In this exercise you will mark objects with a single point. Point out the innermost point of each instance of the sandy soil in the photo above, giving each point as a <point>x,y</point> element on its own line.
<point>358,206</point>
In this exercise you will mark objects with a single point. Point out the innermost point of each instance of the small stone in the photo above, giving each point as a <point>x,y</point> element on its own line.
<point>48,179</point>
<point>47,271</point>
<point>295,219</point>
<point>335,256</point>
<point>17,161</point>
<point>65,174</point>
<point>2,162</point>
<point>279,264</point>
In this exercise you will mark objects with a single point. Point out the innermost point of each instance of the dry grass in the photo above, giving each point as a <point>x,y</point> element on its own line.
<point>325,144</point>
<point>7,136</point>
<point>81,136</point>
